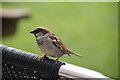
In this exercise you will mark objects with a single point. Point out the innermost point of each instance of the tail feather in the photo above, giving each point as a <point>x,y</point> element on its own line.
<point>75,54</point>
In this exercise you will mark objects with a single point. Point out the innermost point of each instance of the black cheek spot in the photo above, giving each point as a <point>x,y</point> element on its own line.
<point>44,33</point>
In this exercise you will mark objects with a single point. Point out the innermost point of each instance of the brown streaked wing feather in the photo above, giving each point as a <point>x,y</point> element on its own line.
<point>58,43</point>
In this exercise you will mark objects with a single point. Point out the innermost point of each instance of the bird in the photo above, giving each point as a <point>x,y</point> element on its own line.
<point>50,44</point>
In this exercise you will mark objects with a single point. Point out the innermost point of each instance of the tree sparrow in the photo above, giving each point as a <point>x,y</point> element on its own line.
<point>50,44</point>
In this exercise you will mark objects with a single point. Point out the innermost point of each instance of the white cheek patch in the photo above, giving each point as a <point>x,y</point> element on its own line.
<point>39,34</point>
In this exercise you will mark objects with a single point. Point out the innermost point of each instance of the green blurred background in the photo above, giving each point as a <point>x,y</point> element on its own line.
<point>89,29</point>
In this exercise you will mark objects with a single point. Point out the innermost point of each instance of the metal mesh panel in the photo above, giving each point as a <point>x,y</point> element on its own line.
<point>11,72</point>
<point>21,65</point>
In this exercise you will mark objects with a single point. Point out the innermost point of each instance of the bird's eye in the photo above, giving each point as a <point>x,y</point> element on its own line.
<point>37,31</point>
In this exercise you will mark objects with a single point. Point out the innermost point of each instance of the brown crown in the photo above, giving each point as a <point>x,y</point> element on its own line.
<point>40,29</point>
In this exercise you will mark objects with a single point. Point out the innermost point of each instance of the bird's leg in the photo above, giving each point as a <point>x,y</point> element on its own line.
<point>43,57</point>
<point>56,60</point>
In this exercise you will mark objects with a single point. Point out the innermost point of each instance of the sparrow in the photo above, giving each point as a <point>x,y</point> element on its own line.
<point>50,44</point>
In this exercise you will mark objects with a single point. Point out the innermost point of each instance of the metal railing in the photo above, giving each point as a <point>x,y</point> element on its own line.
<point>30,65</point>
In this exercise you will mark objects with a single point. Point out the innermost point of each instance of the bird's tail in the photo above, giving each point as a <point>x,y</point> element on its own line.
<point>75,54</point>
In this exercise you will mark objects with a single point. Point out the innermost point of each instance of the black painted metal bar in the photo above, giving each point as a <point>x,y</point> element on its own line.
<point>45,68</point>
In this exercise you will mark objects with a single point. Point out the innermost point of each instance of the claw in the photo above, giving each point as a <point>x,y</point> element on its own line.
<point>43,57</point>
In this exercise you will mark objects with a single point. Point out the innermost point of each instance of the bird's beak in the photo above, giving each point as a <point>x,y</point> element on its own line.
<point>32,31</point>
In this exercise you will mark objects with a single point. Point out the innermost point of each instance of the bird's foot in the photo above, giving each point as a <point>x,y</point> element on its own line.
<point>43,57</point>
<point>55,62</point>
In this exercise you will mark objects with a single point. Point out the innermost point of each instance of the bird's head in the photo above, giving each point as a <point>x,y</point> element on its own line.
<point>40,31</point>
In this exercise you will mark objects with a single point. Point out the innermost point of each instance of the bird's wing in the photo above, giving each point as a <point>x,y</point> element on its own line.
<point>58,43</point>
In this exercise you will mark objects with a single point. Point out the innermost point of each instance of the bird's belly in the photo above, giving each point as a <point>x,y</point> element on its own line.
<point>50,50</point>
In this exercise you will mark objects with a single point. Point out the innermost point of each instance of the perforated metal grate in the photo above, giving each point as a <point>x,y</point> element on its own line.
<point>11,72</point>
